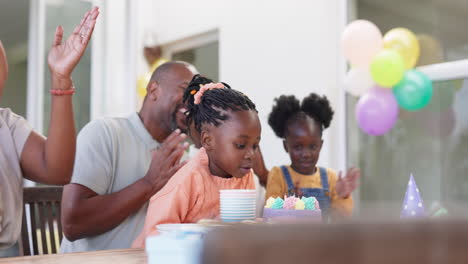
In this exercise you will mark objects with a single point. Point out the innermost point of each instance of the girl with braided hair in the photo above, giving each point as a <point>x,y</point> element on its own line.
<point>229,130</point>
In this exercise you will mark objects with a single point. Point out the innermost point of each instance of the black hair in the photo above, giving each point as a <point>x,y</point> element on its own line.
<point>288,108</point>
<point>213,103</point>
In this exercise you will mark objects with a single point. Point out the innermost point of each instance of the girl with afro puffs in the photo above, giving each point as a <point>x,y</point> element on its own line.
<point>300,125</point>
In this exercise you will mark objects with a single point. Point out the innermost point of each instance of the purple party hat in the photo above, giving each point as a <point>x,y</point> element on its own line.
<point>413,206</point>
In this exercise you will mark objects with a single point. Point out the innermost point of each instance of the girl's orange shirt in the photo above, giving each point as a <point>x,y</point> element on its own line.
<point>190,195</point>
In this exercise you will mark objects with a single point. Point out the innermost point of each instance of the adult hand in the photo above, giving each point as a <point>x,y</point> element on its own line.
<point>165,161</point>
<point>64,56</point>
<point>345,186</point>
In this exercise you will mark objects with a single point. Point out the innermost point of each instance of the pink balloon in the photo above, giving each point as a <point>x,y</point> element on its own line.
<point>377,111</point>
<point>360,41</point>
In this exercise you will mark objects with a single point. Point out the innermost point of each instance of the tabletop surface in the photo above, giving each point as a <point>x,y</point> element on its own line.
<point>118,256</point>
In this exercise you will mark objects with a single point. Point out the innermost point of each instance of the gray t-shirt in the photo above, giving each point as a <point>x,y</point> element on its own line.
<point>112,154</point>
<point>14,131</point>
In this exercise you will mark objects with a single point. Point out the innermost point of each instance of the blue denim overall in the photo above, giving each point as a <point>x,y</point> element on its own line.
<point>321,194</point>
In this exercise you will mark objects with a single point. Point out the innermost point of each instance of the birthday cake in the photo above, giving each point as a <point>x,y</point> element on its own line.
<point>292,208</point>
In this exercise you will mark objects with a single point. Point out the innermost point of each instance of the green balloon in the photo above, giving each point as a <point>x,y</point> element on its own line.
<point>414,92</point>
<point>387,68</point>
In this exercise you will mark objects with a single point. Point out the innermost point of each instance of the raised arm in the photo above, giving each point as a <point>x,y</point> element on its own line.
<point>51,160</point>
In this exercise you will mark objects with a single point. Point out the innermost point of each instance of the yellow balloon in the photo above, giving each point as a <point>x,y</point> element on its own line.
<point>142,83</point>
<point>387,68</point>
<point>144,79</point>
<point>406,43</point>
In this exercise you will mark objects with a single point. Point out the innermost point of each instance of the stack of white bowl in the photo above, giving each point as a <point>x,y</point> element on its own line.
<point>237,205</point>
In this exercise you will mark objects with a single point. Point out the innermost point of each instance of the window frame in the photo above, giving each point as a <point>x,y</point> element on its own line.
<point>192,42</point>
<point>445,71</point>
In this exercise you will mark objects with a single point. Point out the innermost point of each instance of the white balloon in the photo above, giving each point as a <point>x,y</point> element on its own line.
<point>358,81</point>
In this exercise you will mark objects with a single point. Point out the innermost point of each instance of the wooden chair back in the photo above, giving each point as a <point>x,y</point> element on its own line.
<point>42,206</point>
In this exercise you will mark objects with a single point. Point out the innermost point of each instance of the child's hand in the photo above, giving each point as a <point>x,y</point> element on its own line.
<point>297,191</point>
<point>345,186</point>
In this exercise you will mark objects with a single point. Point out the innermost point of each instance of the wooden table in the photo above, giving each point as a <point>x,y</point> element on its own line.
<point>416,241</point>
<point>119,256</point>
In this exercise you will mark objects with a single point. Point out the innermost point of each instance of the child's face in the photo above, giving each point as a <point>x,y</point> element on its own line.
<point>303,142</point>
<point>231,147</point>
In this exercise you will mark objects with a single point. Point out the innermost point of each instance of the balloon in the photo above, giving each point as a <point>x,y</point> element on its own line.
<point>430,50</point>
<point>142,82</point>
<point>358,81</point>
<point>360,41</point>
<point>405,42</point>
<point>377,111</point>
<point>387,68</point>
<point>414,92</point>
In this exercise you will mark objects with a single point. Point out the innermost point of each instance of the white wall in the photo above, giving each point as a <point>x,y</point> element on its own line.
<point>113,60</point>
<point>267,48</point>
